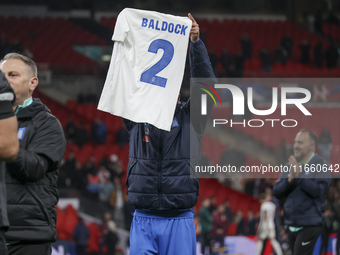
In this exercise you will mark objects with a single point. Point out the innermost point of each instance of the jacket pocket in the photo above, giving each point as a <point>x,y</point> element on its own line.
<point>132,163</point>
<point>40,203</point>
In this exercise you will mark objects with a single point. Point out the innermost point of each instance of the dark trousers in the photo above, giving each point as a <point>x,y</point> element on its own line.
<point>3,248</point>
<point>206,241</point>
<point>81,249</point>
<point>30,249</point>
<point>303,241</point>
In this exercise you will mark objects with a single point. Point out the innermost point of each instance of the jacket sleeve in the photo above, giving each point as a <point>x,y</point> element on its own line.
<point>43,154</point>
<point>282,187</point>
<point>200,67</point>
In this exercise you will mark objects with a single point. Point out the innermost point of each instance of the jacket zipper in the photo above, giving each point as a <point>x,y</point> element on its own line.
<point>160,169</point>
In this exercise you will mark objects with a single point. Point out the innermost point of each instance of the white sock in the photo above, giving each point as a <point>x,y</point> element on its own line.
<point>259,246</point>
<point>276,246</point>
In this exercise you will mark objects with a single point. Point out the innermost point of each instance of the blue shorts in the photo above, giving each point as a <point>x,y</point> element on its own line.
<point>152,234</point>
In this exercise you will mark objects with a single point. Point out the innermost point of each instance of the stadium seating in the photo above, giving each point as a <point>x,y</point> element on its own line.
<point>237,200</point>
<point>227,33</point>
<point>52,40</point>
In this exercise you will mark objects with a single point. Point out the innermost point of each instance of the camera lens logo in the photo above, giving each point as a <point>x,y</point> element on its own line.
<point>204,97</point>
<point>208,92</point>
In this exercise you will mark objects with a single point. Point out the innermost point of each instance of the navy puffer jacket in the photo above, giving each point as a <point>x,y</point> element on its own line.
<point>159,169</point>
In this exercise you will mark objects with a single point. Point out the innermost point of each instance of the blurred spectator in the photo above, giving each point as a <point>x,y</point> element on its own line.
<point>237,219</point>
<point>103,228</point>
<point>228,211</point>
<point>231,71</point>
<point>89,167</point>
<point>246,226</point>
<point>122,136</point>
<point>206,221</point>
<point>327,229</point>
<point>325,145</point>
<point>81,135</point>
<point>281,55</point>
<point>99,131</point>
<point>69,166</point>
<point>269,191</point>
<point>212,206</point>
<point>91,97</point>
<point>81,235</point>
<point>246,46</point>
<point>103,174</point>
<point>318,55</point>
<point>266,228</point>
<point>105,162</point>
<point>79,179</point>
<point>305,52</point>
<point>318,22</point>
<point>111,238</point>
<point>117,200</point>
<point>70,130</point>
<point>266,59</point>
<point>251,223</point>
<point>332,56</point>
<point>113,165</point>
<point>105,186</point>
<point>93,180</point>
<point>63,180</point>
<point>225,59</point>
<point>265,183</point>
<point>219,226</point>
<point>94,129</point>
<point>87,97</point>
<point>239,64</point>
<point>81,99</point>
<point>249,187</point>
<point>287,43</point>
<point>212,57</point>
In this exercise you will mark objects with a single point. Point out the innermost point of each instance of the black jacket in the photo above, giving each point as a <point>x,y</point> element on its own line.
<point>160,168</point>
<point>31,180</point>
<point>306,195</point>
<point>7,97</point>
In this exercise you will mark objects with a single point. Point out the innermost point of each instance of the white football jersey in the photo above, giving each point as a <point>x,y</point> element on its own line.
<point>269,208</point>
<point>147,67</point>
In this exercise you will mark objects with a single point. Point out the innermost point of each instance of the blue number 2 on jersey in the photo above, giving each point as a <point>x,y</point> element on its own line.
<point>149,76</point>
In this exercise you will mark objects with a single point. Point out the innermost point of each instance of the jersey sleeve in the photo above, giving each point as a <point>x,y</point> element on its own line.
<point>122,27</point>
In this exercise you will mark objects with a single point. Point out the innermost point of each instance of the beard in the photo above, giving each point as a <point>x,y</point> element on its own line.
<point>299,155</point>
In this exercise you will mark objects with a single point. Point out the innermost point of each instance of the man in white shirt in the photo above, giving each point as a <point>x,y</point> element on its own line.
<point>267,227</point>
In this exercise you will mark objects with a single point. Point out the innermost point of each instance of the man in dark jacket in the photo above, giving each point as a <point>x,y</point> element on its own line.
<point>9,147</point>
<point>31,179</point>
<point>158,179</point>
<point>305,190</point>
<point>81,235</point>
